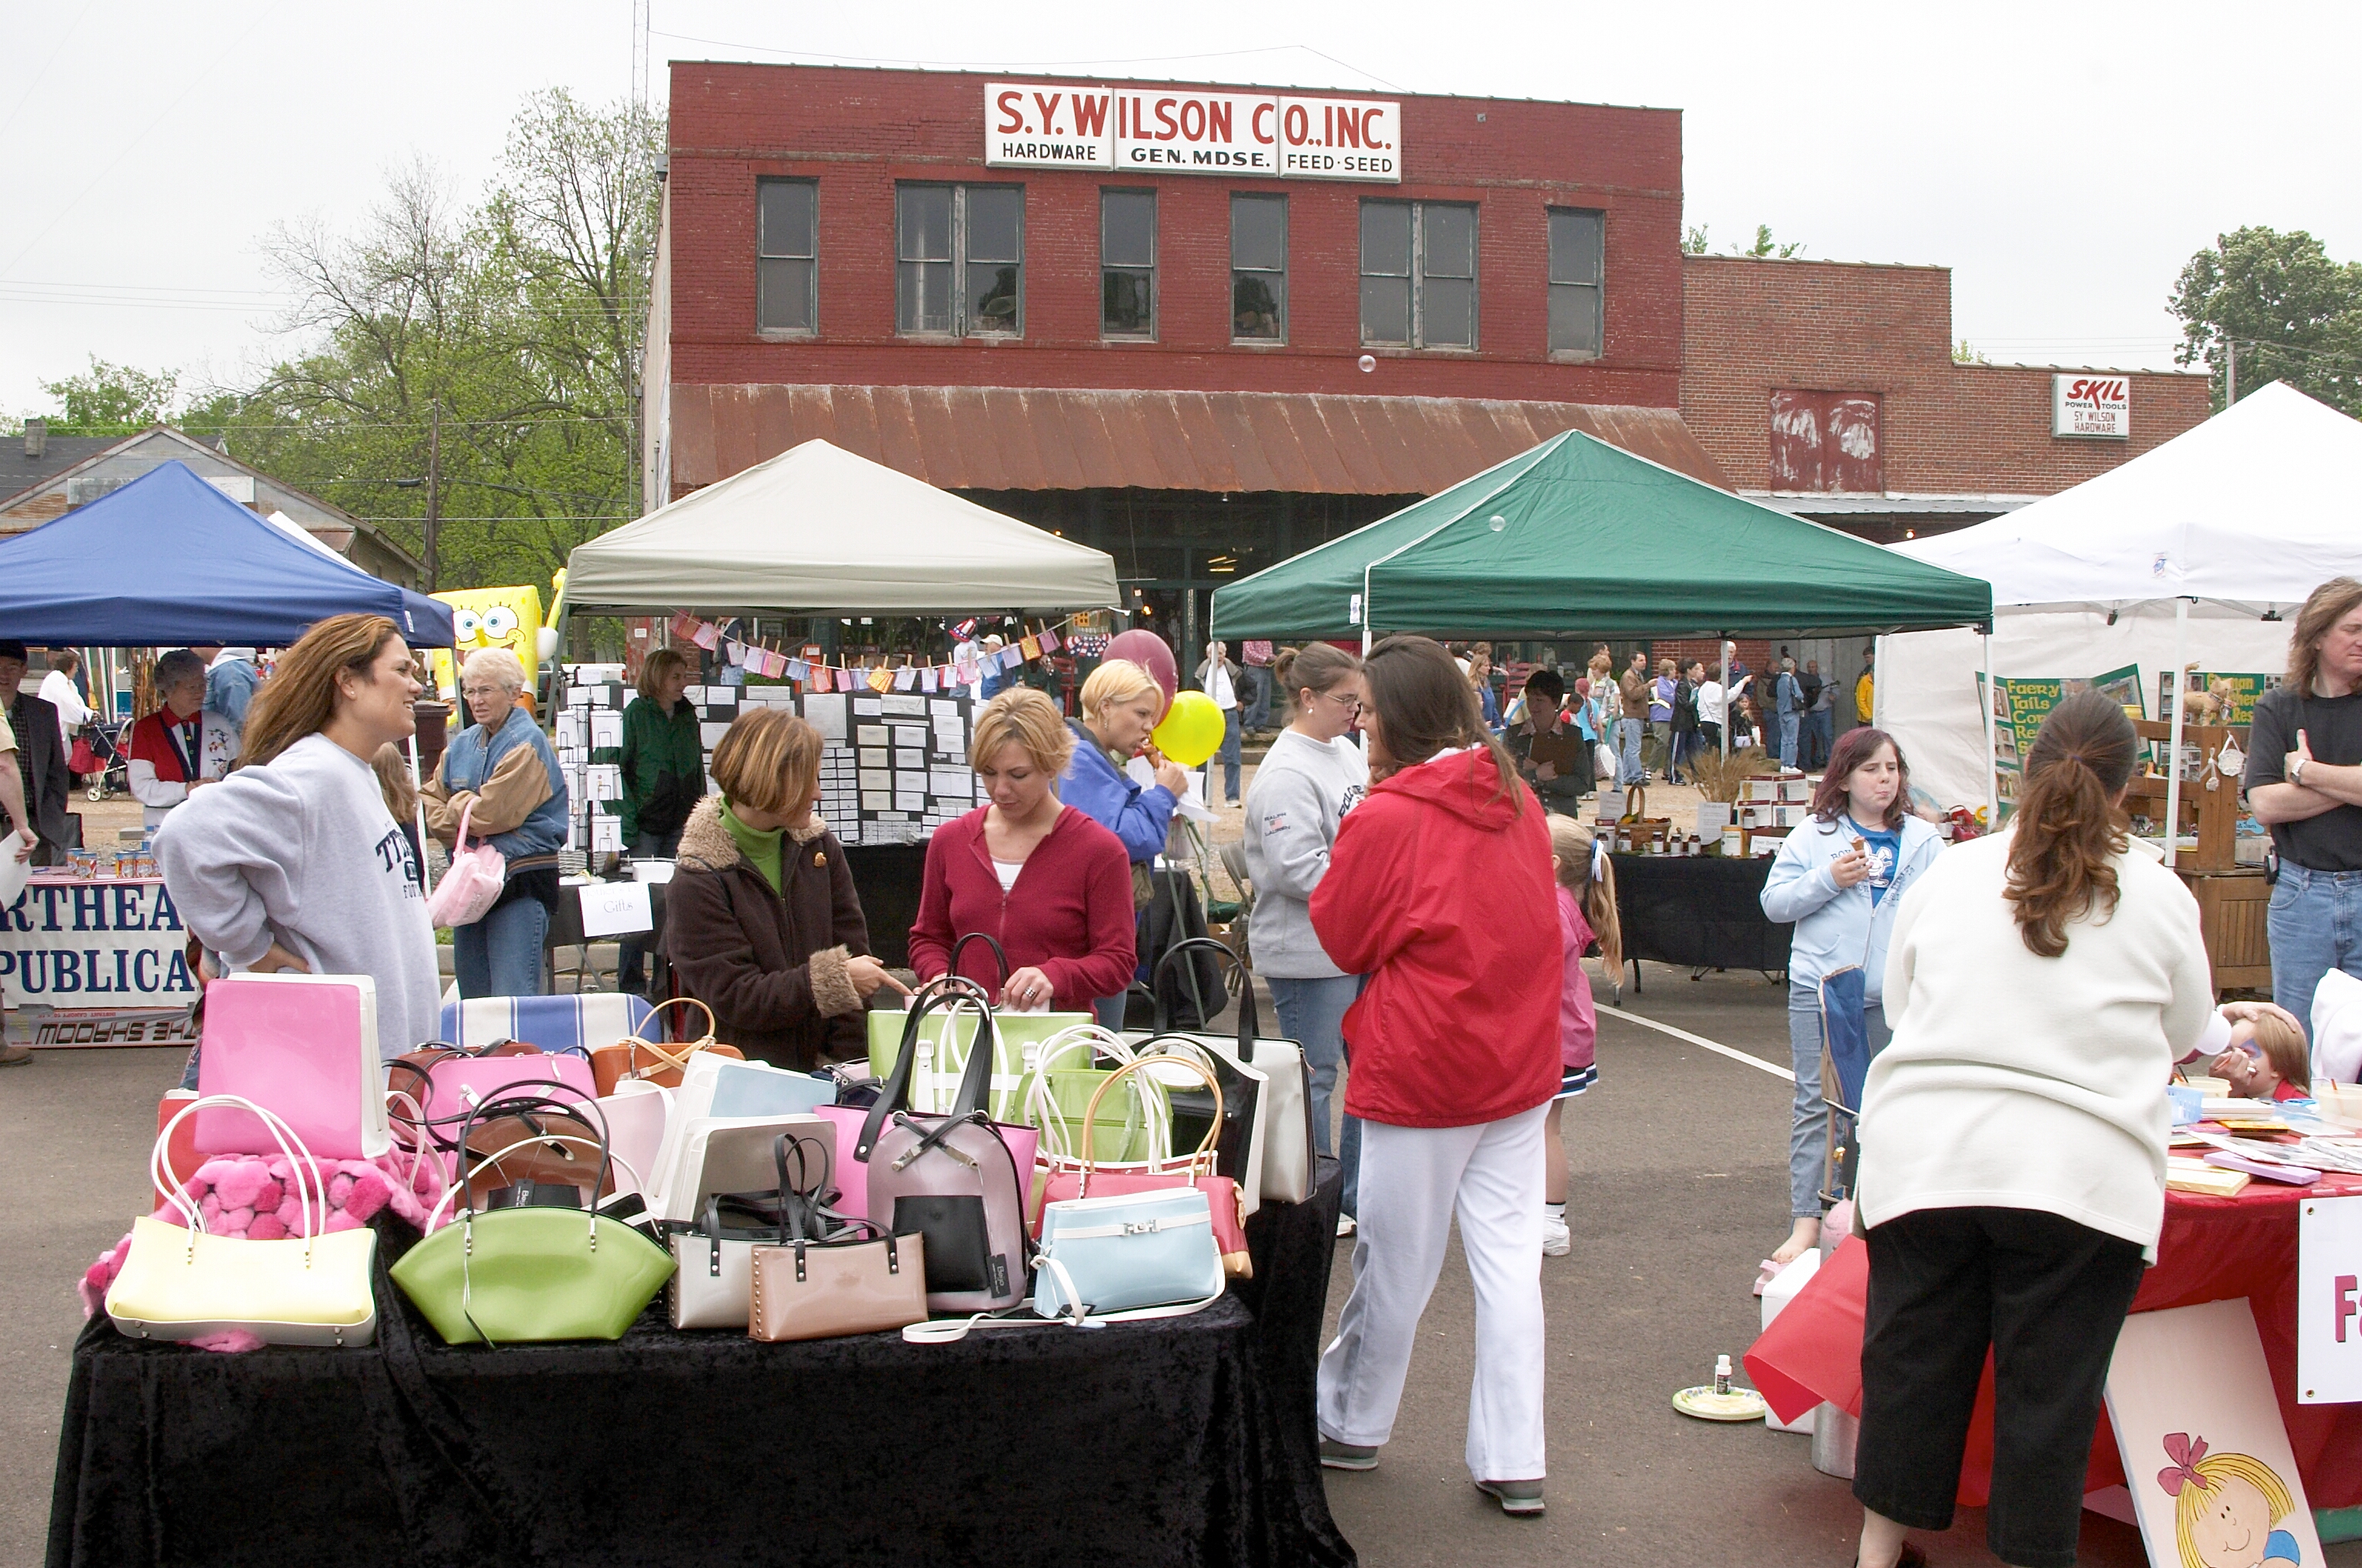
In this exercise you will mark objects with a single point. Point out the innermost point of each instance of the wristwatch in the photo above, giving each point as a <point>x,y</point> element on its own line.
<point>2296,774</point>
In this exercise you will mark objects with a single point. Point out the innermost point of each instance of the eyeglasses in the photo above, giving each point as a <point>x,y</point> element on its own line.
<point>480,691</point>
<point>1351,704</point>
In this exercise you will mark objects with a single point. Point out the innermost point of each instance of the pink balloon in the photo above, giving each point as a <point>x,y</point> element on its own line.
<point>1146,649</point>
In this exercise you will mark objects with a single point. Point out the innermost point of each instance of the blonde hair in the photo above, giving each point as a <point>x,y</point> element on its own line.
<point>2284,1047</point>
<point>1022,717</point>
<point>653,669</point>
<point>1118,680</point>
<point>392,766</point>
<point>768,760</point>
<point>2213,1470</point>
<point>299,697</point>
<point>500,665</point>
<point>1575,847</point>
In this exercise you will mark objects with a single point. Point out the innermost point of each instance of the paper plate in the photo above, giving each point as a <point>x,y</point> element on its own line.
<point>1739,1405</point>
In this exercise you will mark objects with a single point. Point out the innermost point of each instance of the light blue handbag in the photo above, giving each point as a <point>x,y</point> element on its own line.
<point>1147,1255</point>
<point>752,1089</point>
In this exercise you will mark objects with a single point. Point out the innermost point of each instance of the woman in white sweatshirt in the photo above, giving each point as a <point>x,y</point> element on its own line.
<point>2041,984</point>
<point>292,862</point>
<point>1302,790</point>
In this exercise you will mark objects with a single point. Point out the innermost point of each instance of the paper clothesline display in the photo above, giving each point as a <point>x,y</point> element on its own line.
<point>969,660</point>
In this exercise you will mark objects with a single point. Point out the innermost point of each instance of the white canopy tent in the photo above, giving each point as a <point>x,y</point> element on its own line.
<point>816,530</point>
<point>2191,552</point>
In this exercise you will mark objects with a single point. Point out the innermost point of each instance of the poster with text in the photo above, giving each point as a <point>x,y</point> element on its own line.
<point>2020,704</point>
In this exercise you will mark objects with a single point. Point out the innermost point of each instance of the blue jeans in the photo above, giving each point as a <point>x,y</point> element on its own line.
<point>2315,925</point>
<point>1808,1128</point>
<point>1819,735</point>
<point>1110,1010</point>
<point>1312,1013</point>
<point>501,955</point>
<point>1788,728</point>
<point>1229,755</point>
<point>631,970</point>
<point>1628,768</point>
<point>1259,683</point>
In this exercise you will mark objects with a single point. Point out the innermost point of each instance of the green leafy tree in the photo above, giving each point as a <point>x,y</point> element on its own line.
<point>1766,248</point>
<point>2292,313</point>
<point>112,400</point>
<point>1693,239</point>
<point>1967,353</point>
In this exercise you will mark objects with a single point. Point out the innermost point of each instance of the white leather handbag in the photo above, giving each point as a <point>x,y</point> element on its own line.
<point>1285,1158</point>
<point>712,1285</point>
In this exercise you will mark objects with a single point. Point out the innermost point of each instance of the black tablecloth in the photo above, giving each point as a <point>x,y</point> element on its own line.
<point>1182,1440</point>
<point>1701,910</point>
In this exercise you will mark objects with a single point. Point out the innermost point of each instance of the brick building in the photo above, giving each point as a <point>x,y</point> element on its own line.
<point>1139,314</point>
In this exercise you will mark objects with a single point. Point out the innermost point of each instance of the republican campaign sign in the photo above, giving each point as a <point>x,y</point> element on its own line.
<point>1182,131</point>
<point>96,944</point>
<point>2084,404</point>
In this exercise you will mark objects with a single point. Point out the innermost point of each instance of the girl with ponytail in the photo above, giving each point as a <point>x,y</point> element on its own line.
<point>2041,984</point>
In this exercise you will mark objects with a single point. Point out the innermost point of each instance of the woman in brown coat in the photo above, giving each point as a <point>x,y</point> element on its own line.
<point>761,921</point>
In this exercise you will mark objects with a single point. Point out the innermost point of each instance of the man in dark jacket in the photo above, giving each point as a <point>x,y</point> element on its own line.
<point>41,758</point>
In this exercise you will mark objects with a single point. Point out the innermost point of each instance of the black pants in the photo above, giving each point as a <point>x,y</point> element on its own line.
<point>2048,1296</point>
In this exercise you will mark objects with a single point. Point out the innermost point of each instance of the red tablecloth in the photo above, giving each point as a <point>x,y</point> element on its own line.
<point>2212,1249</point>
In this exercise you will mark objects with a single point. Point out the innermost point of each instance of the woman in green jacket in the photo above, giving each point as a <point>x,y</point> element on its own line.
<point>663,777</point>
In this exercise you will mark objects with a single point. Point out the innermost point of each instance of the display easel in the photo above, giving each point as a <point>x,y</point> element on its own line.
<point>2232,898</point>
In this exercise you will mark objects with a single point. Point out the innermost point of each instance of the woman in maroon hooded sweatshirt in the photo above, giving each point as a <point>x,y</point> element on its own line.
<point>1053,886</point>
<point>1440,890</point>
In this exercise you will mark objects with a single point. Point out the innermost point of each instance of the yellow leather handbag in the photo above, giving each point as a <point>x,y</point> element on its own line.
<point>181,1283</point>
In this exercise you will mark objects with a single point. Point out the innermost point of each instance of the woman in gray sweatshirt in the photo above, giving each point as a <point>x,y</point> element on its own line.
<point>1309,779</point>
<point>292,862</point>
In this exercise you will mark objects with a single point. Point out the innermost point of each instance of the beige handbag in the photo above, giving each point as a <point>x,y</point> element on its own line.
<point>808,1289</point>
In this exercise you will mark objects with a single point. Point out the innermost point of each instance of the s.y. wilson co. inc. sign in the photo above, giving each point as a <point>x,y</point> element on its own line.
<point>1164,131</point>
<point>2091,405</point>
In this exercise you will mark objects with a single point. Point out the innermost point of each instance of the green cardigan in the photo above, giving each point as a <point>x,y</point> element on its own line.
<point>663,764</point>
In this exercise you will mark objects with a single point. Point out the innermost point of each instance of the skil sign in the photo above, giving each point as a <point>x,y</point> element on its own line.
<point>2091,405</point>
<point>1165,131</point>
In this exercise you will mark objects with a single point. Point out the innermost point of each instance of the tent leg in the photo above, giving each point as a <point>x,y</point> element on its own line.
<point>2173,756</point>
<point>1729,708</point>
<point>1992,765</point>
<point>418,805</point>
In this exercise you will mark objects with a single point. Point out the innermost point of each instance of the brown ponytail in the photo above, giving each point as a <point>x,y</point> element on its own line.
<point>2068,826</point>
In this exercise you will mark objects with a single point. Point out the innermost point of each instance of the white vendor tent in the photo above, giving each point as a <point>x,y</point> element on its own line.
<point>816,530</point>
<point>2190,553</point>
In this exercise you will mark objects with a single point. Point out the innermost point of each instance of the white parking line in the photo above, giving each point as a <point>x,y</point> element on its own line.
<point>1715,1045</point>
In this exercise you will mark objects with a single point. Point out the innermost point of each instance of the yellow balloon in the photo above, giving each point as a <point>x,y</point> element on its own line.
<point>1191,731</point>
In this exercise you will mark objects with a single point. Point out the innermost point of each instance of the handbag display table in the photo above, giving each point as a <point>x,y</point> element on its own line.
<point>1179,1440</point>
<point>1700,911</point>
<point>2212,1249</point>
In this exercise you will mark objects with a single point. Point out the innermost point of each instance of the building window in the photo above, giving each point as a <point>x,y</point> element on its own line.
<point>1825,441</point>
<point>1128,263</point>
<point>1574,268</point>
<point>1259,269</point>
<point>786,252</point>
<point>959,254</point>
<point>1419,274</point>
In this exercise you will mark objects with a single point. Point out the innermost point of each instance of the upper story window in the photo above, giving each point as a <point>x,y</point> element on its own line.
<point>1419,274</point>
<point>1258,269</point>
<point>1128,263</point>
<point>786,256</point>
<point>959,254</point>
<point>1576,248</point>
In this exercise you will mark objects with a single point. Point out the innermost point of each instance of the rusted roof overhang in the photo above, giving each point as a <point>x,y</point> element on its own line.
<point>1001,438</point>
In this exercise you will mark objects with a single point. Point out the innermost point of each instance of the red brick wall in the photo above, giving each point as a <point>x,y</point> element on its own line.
<point>1752,327</point>
<point>857,132</point>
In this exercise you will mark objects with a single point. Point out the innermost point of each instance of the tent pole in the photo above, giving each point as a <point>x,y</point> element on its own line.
<point>2173,762</point>
<point>1992,765</point>
<point>1729,708</point>
<point>418,804</point>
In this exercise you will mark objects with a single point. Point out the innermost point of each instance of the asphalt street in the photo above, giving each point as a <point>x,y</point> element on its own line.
<point>1678,1187</point>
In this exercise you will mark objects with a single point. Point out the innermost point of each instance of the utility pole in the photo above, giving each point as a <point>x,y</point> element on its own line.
<point>433,488</point>
<point>2230,371</point>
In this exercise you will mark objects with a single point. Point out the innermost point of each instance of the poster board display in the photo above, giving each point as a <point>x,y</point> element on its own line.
<point>2019,706</point>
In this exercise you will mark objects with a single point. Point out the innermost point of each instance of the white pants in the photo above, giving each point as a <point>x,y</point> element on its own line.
<point>1413,1180</point>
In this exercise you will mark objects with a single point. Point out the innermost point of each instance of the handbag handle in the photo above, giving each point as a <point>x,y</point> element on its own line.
<point>1139,1064</point>
<point>656,1048</point>
<point>1000,955</point>
<point>459,839</point>
<point>518,1147</point>
<point>299,1160</point>
<point>1041,1108</point>
<point>518,1104</point>
<point>973,1082</point>
<point>1250,1012</point>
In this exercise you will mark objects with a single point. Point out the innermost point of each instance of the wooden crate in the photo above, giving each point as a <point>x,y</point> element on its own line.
<point>2231,907</point>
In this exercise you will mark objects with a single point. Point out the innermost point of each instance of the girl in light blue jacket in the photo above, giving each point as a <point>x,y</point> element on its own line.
<point>1839,879</point>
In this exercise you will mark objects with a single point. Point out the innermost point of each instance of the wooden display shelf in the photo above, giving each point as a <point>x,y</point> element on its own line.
<point>2232,897</point>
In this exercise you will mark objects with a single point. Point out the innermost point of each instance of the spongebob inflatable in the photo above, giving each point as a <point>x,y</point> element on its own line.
<point>494,618</point>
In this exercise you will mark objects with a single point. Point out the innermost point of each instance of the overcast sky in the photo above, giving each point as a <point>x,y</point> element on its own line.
<point>2063,160</point>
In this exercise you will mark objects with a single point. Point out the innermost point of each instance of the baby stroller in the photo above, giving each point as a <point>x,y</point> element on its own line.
<point>108,768</point>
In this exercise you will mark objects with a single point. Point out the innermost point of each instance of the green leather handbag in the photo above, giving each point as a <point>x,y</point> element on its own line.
<point>524,1274</point>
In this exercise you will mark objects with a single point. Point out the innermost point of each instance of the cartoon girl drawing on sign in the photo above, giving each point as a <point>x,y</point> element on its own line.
<point>2224,1507</point>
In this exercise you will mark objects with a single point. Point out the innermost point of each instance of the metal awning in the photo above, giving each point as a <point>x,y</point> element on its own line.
<point>1005,438</point>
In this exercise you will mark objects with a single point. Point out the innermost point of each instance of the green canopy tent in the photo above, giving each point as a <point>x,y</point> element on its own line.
<point>1580,538</point>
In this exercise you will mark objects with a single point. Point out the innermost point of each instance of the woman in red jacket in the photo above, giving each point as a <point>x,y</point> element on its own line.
<point>1051,885</point>
<point>1440,890</point>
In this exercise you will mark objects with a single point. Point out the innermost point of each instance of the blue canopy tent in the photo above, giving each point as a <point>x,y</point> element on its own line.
<point>168,559</point>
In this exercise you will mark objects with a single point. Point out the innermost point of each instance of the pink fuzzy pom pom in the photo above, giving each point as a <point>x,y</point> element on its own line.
<point>266,1228</point>
<point>289,1214</point>
<point>211,1173</point>
<point>232,1222</point>
<point>268,1198</point>
<point>370,1192</point>
<point>241,1184</point>
<point>230,1341</point>
<point>210,1206</point>
<point>340,1186</point>
<point>340,1221</point>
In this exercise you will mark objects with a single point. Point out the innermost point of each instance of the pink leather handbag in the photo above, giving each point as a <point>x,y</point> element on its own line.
<point>304,1048</point>
<point>472,885</point>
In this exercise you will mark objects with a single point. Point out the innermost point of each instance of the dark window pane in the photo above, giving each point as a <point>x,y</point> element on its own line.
<point>1128,229</point>
<point>1386,310</point>
<point>1574,318</point>
<point>991,297</point>
<point>1448,313</point>
<point>924,296</point>
<point>1127,302</point>
<point>1256,305</point>
<point>1573,246</point>
<point>786,214</point>
<point>1448,246</point>
<point>995,216</point>
<point>1259,232</point>
<point>925,227</point>
<point>1386,240</point>
<point>786,295</point>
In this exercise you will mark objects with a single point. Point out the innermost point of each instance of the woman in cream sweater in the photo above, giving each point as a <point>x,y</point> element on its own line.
<point>2041,984</point>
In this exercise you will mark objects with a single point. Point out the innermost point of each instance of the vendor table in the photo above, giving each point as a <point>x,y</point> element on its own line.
<point>1180,1441</point>
<point>105,954</point>
<point>1704,910</point>
<point>2212,1249</point>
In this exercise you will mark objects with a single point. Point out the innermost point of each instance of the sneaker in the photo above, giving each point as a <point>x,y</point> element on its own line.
<point>1345,1224</point>
<point>1557,1241</point>
<point>1518,1499</point>
<point>15,1056</point>
<point>1335,1455</point>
